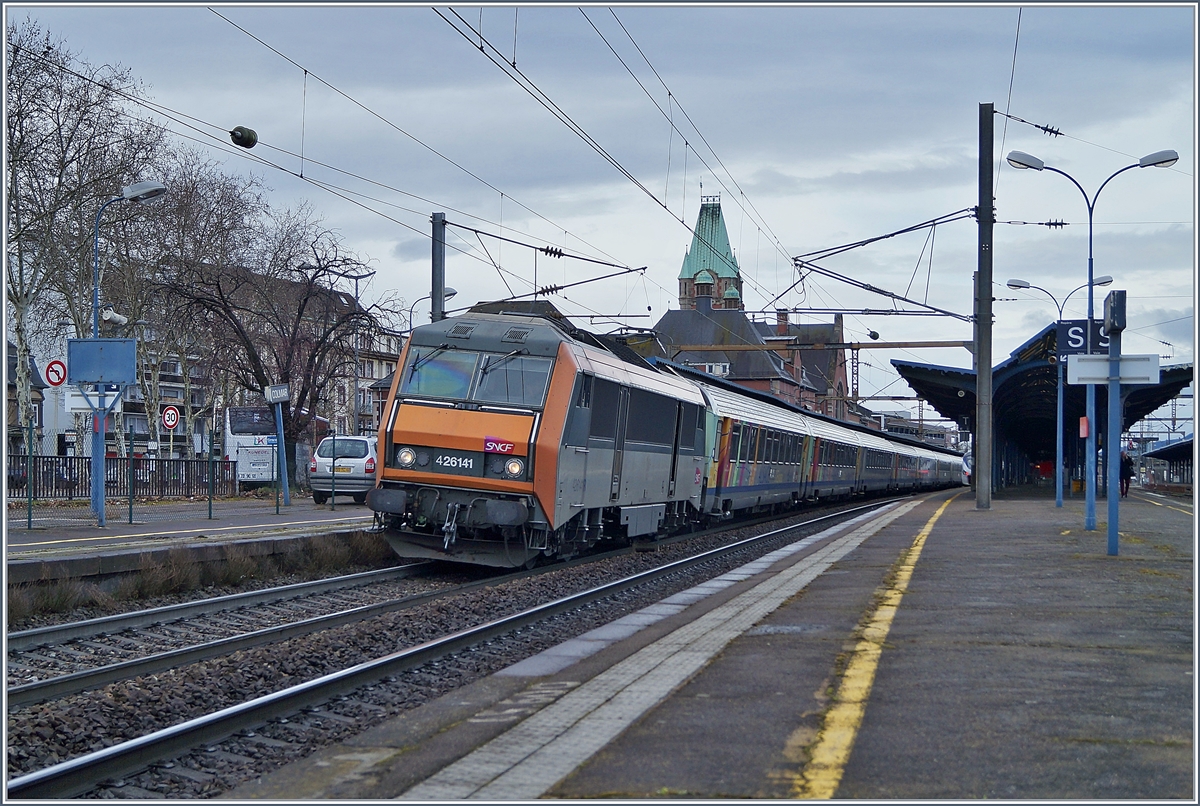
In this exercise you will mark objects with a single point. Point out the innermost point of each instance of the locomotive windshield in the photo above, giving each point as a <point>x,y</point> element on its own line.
<point>439,372</point>
<point>514,379</point>
<point>509,378</point>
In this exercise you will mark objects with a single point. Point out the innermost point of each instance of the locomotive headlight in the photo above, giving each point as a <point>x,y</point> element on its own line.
<point>406,457</point>
<point>513,468</point>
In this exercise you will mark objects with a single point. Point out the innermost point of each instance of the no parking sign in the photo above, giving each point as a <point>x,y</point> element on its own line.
<point>170,418</point>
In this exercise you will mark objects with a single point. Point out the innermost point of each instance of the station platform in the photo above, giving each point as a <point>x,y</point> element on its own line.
<point>87,552</point>
<point>929,651</point>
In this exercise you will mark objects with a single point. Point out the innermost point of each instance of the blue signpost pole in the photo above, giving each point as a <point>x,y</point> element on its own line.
<point>282,454</point>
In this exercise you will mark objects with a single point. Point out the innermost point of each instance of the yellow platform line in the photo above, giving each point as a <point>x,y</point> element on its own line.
<point>823,773</point>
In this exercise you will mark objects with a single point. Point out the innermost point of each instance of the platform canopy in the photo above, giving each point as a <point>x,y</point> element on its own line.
<point>1024,389</point>
<point>1178,451</point>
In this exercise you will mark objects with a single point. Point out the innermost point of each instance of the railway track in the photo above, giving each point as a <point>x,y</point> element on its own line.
<point>299,703</point>
<point>70,658</point>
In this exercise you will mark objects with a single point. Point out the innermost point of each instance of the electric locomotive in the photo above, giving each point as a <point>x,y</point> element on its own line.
<point>510,437</point>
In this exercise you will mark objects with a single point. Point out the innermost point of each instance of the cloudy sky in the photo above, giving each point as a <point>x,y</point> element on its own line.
<point>817,126</point>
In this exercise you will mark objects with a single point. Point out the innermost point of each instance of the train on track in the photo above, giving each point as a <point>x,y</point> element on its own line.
<point>509,438</point>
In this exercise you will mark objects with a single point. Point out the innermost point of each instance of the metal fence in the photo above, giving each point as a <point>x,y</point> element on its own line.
<point>70,477</point>
<point>46,488</point>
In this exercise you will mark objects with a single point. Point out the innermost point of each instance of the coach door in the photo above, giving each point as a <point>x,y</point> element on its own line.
<point>619,443</point>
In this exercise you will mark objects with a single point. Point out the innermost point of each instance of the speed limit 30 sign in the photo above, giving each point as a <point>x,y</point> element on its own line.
<point>170,418</point>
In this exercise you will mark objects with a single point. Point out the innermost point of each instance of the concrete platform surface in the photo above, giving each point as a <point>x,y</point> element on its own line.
<point>86,550</point>
<point>931,651</point>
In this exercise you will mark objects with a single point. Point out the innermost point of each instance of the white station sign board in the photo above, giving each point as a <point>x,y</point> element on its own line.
<point>1135,369</point>
<point>76,401</point>
<point>279,393</point>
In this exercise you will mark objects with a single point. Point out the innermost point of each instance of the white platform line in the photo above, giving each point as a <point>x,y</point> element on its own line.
<point>532,756</point>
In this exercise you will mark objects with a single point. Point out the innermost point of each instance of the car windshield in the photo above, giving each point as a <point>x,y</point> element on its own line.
<point>346,448</point>
<point>439,372</point>
<point>514,379</point>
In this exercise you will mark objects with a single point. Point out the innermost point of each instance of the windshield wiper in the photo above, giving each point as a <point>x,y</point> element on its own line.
<point>420,361</point>
<point>504,359</point>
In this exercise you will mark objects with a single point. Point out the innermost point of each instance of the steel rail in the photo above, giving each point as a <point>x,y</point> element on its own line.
<point>76,682</point>
<point>83,773</point>
<point>107,625</point>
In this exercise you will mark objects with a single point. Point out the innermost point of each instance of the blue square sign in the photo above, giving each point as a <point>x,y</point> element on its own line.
<point>102,361</point>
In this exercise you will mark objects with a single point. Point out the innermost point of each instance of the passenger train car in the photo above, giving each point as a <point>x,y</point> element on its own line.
<point>508,438</point>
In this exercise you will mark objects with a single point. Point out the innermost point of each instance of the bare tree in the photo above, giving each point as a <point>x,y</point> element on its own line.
<point>282,314</point>
<point>71,145</point>
<point>207,218</point>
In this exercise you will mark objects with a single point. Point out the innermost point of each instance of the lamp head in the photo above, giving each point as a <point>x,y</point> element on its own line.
<point>1159,159</point>
<point>1015,283</point>
<point>1019,159</point>
<point>448,293</point>
<point>143,191</point>
<point>1103,279</point>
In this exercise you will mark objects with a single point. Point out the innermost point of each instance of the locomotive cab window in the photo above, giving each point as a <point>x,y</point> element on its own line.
<point>439,372</point>
<point>507,378</point>
<point>518,380</point>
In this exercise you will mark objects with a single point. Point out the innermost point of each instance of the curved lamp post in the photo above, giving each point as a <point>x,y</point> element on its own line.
<point>1159,159</point>
<point>137,192</point>
<point>447,294</point>
<point>1058,430</point>
<point>366,275</point>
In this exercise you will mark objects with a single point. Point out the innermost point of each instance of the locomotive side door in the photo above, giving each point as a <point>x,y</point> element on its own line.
<point>619,443</point>
<point>574,453</point>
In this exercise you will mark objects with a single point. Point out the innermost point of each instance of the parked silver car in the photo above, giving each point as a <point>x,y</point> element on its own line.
<point>354,471</point>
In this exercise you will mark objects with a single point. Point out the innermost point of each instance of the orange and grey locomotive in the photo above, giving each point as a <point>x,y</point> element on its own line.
<point>507,438</point>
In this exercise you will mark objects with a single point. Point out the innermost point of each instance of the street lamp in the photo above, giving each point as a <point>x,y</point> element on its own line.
<point>135,193</point>
<point>1159,159</point>
<point>1058,430</point>
<point>447,294</point>
<point>356,277</point>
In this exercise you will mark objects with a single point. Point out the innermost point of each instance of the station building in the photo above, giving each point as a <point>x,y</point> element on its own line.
<point>711,314</point>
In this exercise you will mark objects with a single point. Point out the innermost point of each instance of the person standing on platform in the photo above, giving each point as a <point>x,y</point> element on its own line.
<point>1126,473</point>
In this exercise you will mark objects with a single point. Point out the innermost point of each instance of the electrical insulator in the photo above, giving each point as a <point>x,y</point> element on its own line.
<point>246,138</point>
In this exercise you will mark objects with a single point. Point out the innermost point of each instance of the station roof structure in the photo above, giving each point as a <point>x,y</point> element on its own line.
<point>1177,451</point>
<point>1024,394</point>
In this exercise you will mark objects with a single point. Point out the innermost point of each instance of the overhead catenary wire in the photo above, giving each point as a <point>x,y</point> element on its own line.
<point>213,135</point>
<point>492,54</point>
<point>405,133</point>
<point>761,221</point>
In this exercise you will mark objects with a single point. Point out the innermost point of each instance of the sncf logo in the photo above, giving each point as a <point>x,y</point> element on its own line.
<point>495,445</point>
